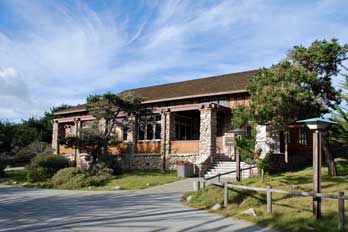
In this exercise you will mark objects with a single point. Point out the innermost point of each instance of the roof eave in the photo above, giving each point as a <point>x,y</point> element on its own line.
<point>168,99</point>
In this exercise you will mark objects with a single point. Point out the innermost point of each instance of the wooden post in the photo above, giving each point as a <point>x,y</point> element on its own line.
<point>269,199</point>
<point>237,166</point>
<point>286,154</point>
<point>225,194</point>
<point>219,177</point>
<point>317,173</point>
<point>341,222</point>
<point>203,184</point>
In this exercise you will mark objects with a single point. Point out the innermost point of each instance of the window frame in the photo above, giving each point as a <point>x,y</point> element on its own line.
<point>154,122</point>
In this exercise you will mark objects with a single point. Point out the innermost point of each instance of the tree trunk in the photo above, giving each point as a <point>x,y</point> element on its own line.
<point>329,158</point>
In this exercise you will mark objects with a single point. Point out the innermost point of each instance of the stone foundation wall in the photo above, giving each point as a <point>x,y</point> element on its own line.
<point>141,161</point>
<point>174,157</point>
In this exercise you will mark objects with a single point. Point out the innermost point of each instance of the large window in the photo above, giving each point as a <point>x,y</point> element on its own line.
<point>149,127</point>
<point>183,128</point>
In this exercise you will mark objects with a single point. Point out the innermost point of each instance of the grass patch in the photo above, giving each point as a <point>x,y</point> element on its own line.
<point>289,213</point>
<point>140,179</point>
<point>137,179</point>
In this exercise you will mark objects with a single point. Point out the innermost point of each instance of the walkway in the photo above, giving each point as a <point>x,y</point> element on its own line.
<point>154,209</point>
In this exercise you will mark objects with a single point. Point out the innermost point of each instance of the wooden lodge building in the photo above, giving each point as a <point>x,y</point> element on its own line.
<point>188,120</point>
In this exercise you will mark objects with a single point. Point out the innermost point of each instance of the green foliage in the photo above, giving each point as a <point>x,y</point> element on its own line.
<point>3,164</point>
<point>75,178</point>
<point>105,108</point>
<point>252,201</point>
<point>264,164</point>
<point>7,139</point>
<point>296,88</point>
<point>339,132</point>
<point>246,148</point>
<point>14,135</point>
<point>282,94</point>
<point>45,165</point>
<point>105,164</point>
<point>108,105</point>
<point>241,116</point>
<point>29,151</point>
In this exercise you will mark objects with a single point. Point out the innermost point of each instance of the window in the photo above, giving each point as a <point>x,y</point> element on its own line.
<point>183,128</point>
<point>302,136</point>
<point>149,127</point>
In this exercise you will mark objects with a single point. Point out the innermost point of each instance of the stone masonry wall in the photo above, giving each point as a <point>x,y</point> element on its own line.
<point>55,130</point>
<point>141,161</point>
<point>208,131</point>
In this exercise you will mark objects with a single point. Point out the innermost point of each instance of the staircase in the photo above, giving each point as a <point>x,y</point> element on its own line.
<point>224,164</point>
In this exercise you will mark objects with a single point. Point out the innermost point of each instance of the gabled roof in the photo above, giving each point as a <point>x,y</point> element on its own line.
<point>209,86</point>
<point>216,85</point>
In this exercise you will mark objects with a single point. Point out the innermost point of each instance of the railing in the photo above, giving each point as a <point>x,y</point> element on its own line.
<point>226,173</point>
<point>340,197</point>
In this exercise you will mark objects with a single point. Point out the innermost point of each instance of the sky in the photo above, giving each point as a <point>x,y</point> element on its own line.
<point>59,52</point>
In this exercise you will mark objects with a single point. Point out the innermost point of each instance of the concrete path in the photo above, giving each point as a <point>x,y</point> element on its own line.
<point>154,209</point>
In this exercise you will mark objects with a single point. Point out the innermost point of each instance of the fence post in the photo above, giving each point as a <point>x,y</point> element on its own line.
<point>203,184</point>
<point>341,222</point>
<point>269,199</point>
<point>219,177</point>
<point>225,194</point>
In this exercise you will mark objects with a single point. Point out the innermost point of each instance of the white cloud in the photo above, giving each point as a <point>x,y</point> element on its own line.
<point>61,52</point>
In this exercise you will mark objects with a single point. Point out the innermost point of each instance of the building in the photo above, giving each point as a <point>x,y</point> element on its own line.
<point>188,120</point>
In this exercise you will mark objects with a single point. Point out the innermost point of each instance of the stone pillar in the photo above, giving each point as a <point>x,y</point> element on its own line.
<point>167,131</point>
<point>77,134</point>
<point>132,132</point>
<point>55,136</point>
<point>208,130</point>
<point>167,135</point>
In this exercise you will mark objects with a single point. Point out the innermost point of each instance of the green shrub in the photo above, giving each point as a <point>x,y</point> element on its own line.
<point>105,163</point>
<point>3,164</point>
<point>264,164</point>
<point>45,165</point>
<point>70,178</point>
<point>29,151</point>
<point>75,178</point>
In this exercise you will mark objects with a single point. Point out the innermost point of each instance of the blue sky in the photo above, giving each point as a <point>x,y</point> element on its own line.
<point>54,52</point>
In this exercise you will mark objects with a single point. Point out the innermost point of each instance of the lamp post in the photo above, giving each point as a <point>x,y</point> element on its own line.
<point>237,132</point>
<point>317,125</point>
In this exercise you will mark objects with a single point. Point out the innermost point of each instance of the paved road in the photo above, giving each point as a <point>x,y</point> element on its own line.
<point>155,209</point>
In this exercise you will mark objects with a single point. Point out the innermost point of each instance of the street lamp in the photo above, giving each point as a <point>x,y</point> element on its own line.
<point>317,125</point>
<point>237,132</point>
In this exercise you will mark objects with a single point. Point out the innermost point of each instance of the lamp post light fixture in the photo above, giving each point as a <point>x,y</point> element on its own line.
<point>317,125</point>
<point>237,132</point>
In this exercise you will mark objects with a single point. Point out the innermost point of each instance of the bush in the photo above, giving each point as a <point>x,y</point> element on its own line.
<point>29,151</point>
<point>75,178</point>
<point>264,164</point>
<point>3,164</point>
<point>70,178</point>
<point>105,164</point>
<point>45,165</point>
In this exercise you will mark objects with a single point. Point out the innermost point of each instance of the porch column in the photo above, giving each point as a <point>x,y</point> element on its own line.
<point>77,123</point>
<point>55,136</point>
<point>132,132</point>
<point>166,128</point>
<point>208,130</point>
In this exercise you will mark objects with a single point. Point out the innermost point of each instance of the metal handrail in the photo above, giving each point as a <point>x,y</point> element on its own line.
<point>226,173</point>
